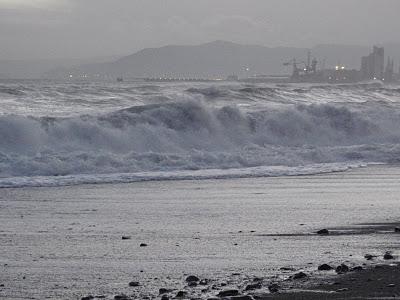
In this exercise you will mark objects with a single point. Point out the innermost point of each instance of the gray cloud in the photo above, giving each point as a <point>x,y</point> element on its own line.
<point>77,28</point>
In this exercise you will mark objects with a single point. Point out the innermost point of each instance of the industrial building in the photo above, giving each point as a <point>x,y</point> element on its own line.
<point>372,68</point>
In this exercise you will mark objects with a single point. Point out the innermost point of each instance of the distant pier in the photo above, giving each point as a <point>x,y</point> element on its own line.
<point>183,79</point>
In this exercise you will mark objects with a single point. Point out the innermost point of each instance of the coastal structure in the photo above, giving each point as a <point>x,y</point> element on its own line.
<point>372,66</point>
<point>389,71</point>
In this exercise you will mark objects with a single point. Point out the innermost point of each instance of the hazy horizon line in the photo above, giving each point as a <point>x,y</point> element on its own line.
<point>134,51</point>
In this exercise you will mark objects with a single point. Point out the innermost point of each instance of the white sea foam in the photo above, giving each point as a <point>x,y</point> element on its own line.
<point>253,172</point>
<point>181,132</point>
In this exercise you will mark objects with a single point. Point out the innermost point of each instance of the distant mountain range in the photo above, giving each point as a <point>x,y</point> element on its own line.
<point>31,69</point>
<point>217,59</point>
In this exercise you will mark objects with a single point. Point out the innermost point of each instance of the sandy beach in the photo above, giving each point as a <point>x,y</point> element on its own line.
<point>70,242</point>
<point>199,150</point>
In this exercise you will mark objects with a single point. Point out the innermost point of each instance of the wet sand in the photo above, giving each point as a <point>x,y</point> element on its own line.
<point>379,282</point>
<point>66,242</point>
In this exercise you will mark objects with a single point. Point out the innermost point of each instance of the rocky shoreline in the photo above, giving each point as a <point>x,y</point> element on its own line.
<point>377,277</point>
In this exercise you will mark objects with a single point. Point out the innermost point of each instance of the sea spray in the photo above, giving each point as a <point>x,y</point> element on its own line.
<point>189,132</point>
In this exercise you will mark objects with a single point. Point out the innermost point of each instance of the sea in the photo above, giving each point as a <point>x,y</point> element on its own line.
<point>227,181</point>
<point>64,133</point>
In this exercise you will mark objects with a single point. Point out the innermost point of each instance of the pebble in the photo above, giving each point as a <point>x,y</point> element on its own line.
<point>388,256</point>
<point>342,269</point>
<point>227,293</point>
<point>254,286</point>
<point>163,291</point>
<point>121,297</point>
<point>181,294</point>
<point>357,268</point>
<point>369,256</point>
<point>192,278</point>
<point>134,283</point>
<point>325,267</point>
<point>273,288</point>
<point>287,269</point>
<point>126,237</point>
<point>245,297</point>
<point>299,275</point>
<point>143,245</point>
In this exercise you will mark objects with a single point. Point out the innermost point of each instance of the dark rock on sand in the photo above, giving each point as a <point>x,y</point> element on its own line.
<point>134,283</point>
<point>90,297</point>
<point>181,294</point>
<point>299,275</point>
<point>254,286</point>
<point>371,283</point>
<point>287,269</point>
<point>323,232</point>
<point>228,293</point>
<point>325,267</point>
<point>143,245</point>
<point>369,256</point>
<point>274,288</point>
<point>357,268</point>
<point>192,278</point>
<point>163,291</point>
<point>126,237</point>
<point>121,297</point>
<point>244,297</point>
<point>342,269</point>
<point>388,256</point>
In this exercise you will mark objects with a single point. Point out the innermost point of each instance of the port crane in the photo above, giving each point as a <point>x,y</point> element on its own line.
<point>309,68</point>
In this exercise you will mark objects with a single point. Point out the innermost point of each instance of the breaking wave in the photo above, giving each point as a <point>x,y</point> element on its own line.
<point>195,135</point>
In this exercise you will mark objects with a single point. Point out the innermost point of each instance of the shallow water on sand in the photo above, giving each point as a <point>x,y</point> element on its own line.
<point>65,242</point>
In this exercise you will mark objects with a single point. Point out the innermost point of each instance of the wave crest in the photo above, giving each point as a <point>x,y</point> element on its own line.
<point>193,135</point>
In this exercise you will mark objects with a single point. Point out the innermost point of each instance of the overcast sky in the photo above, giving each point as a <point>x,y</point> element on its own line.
<point>33,29</point>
